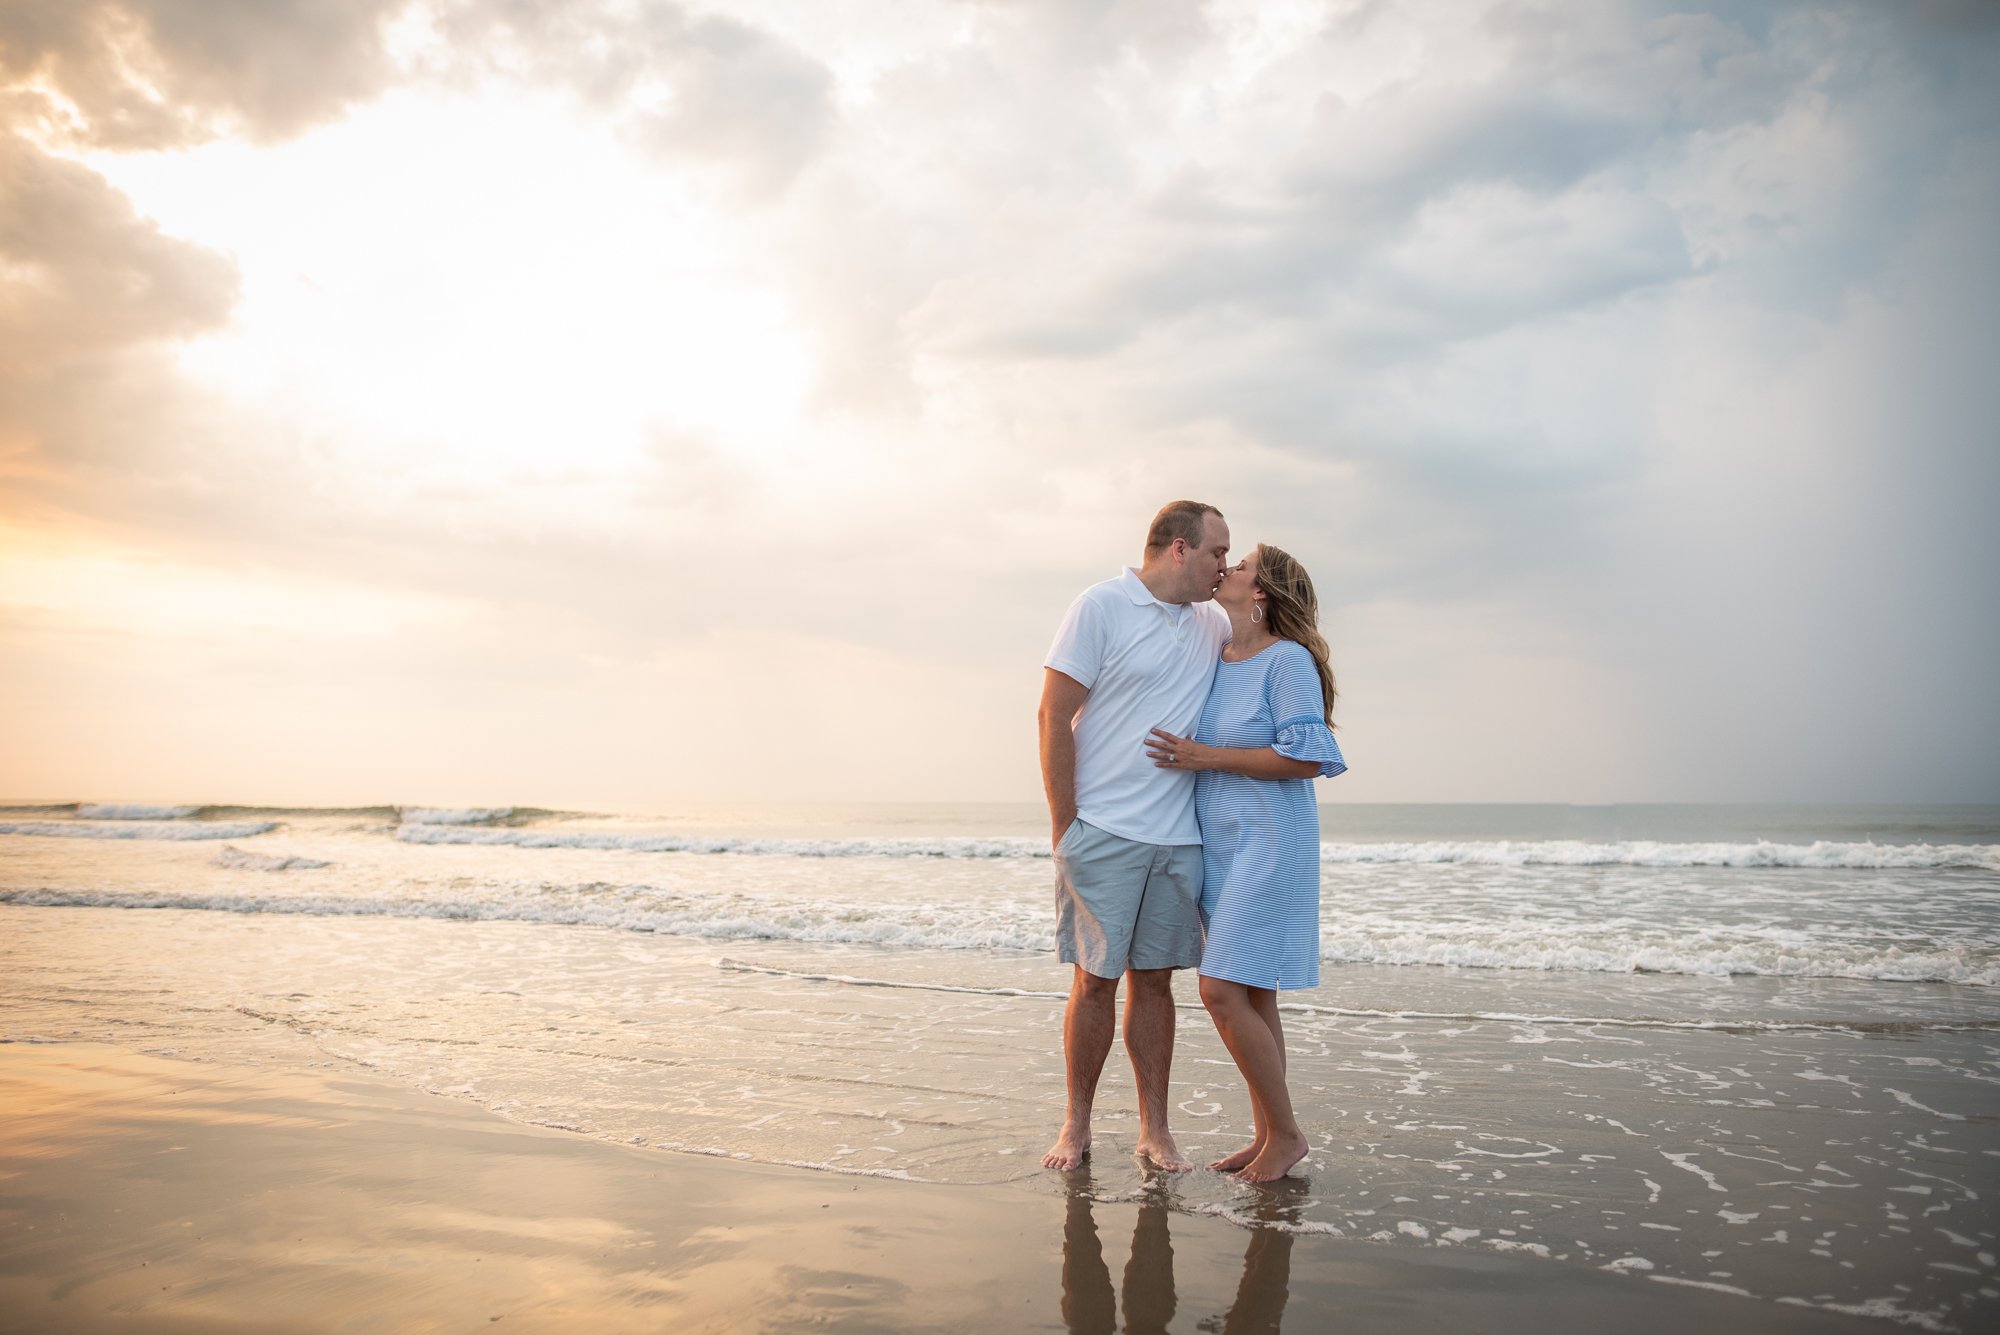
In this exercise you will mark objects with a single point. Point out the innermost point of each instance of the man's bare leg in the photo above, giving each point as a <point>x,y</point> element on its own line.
<point>1260,1056</point>
<point>1149,1039</point>
<point>1089,1017</point>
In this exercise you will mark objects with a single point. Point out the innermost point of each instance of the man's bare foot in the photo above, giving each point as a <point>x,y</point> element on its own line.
<point>1161,1152</point>
<point>1230,1163</point>
<point>1072,1147</point>
<point>1276,1159</point>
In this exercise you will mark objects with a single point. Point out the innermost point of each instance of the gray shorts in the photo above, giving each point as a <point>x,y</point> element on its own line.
<point>1121,904</point>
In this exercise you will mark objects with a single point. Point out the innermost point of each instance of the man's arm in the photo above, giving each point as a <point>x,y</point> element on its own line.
<point>1062,699</point>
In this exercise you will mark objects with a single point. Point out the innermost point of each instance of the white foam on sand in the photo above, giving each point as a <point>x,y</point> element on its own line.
<point>231,856</point>
<point>1783,951</point>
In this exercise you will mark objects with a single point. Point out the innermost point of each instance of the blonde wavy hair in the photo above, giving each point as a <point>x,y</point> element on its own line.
<point>1291,610</point>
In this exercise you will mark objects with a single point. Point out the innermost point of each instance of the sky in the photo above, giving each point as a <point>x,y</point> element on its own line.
<point>620,405</point>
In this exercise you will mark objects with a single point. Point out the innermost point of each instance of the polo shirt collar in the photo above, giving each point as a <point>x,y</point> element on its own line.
<point>1135,589</point>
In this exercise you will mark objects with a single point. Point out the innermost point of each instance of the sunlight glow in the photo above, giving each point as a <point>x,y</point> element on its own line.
<point>75,582</point>
<point>479,289</point>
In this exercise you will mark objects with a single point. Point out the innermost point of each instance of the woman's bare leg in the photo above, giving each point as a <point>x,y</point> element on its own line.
<point>1247,1019</point>
<point>1265,1002</point>
<point>1231,1163</point>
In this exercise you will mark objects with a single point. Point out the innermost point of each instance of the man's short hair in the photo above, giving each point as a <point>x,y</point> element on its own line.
<point>1179,519</point>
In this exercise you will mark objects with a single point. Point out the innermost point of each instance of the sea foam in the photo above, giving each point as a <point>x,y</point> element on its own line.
<point>136,829</point>
<point>633,908</point>
<point>686,843</point>
<point>232,856</point>
<point>1014,926</point>
<point>1820,855</point>
<point>131,811</point>
<point>1635,948</point>
<point>451,815</point>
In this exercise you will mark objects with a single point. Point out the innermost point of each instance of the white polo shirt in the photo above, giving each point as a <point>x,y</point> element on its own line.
<point>1148,665</point>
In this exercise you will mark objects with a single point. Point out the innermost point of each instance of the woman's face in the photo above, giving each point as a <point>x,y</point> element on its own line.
<point>1238,590</point>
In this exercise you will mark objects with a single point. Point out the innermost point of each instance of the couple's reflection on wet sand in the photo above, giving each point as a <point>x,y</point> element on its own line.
<point>1147,1294</point>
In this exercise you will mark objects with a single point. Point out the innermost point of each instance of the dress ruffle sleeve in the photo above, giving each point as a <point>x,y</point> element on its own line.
<point>1298,706</point>
<point>1310,739</point>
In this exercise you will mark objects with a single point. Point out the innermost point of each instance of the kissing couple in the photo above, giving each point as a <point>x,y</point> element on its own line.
<point>1187,706</point>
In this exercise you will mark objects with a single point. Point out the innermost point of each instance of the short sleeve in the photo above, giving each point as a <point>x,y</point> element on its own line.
<point>1078,651</point>
<point>1298,710</point>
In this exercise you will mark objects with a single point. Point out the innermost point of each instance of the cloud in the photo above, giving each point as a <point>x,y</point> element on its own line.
<point>92,298</point>
<point>691,86</point>
<point>136,74</point>
<point>1620,363</point>
<point>737,95</point>
<point>85,275</point>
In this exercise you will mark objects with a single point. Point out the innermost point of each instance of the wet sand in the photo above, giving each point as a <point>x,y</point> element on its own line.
<point>162,1194</point>
<point>1779,1143</point>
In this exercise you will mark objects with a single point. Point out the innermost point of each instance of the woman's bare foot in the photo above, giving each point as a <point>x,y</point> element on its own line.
<point>1276,1159</point>
<point>1072,1147</point>
<point>1230,1163</point>
<point>1161,1152</point>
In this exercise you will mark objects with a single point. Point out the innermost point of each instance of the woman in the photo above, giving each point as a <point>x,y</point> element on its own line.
<point>1264,734</point>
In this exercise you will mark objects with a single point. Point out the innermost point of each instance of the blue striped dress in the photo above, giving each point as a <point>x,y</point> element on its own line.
<point>1260,837</point>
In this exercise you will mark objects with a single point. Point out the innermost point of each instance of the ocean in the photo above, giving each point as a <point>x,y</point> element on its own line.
<point>1754,1048</point>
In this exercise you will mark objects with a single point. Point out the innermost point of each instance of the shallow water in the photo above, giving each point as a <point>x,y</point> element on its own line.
<point>1849,893</point>
<point>1804,1128</point>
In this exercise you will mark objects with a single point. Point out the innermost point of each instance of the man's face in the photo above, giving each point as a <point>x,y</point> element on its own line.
<point>1203,567</point>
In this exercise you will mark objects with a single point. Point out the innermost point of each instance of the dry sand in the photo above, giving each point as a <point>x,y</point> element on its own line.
<point>152,1194</point>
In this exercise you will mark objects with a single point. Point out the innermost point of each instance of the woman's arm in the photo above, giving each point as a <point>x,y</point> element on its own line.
<point>1258,762</point>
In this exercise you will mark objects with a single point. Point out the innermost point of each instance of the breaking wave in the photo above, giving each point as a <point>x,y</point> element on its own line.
<point>1820,855</point>
<point>694,843</point>
<point>452,815</point>
<point>1559,853</point>
<point>631,907</point>
<point>1016,926</point>
<point>126,828</point>
<point>131,811</point>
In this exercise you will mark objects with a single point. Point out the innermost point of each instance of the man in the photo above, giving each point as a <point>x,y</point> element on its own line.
<point>1134,653</point>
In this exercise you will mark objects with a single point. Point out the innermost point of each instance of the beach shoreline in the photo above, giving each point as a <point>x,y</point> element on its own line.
<point>1847,1170</point>
<point>155,1193</point>
<point>1715,1067</point>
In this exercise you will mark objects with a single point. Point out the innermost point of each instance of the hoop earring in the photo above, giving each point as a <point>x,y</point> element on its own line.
<point>1256,614</point>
